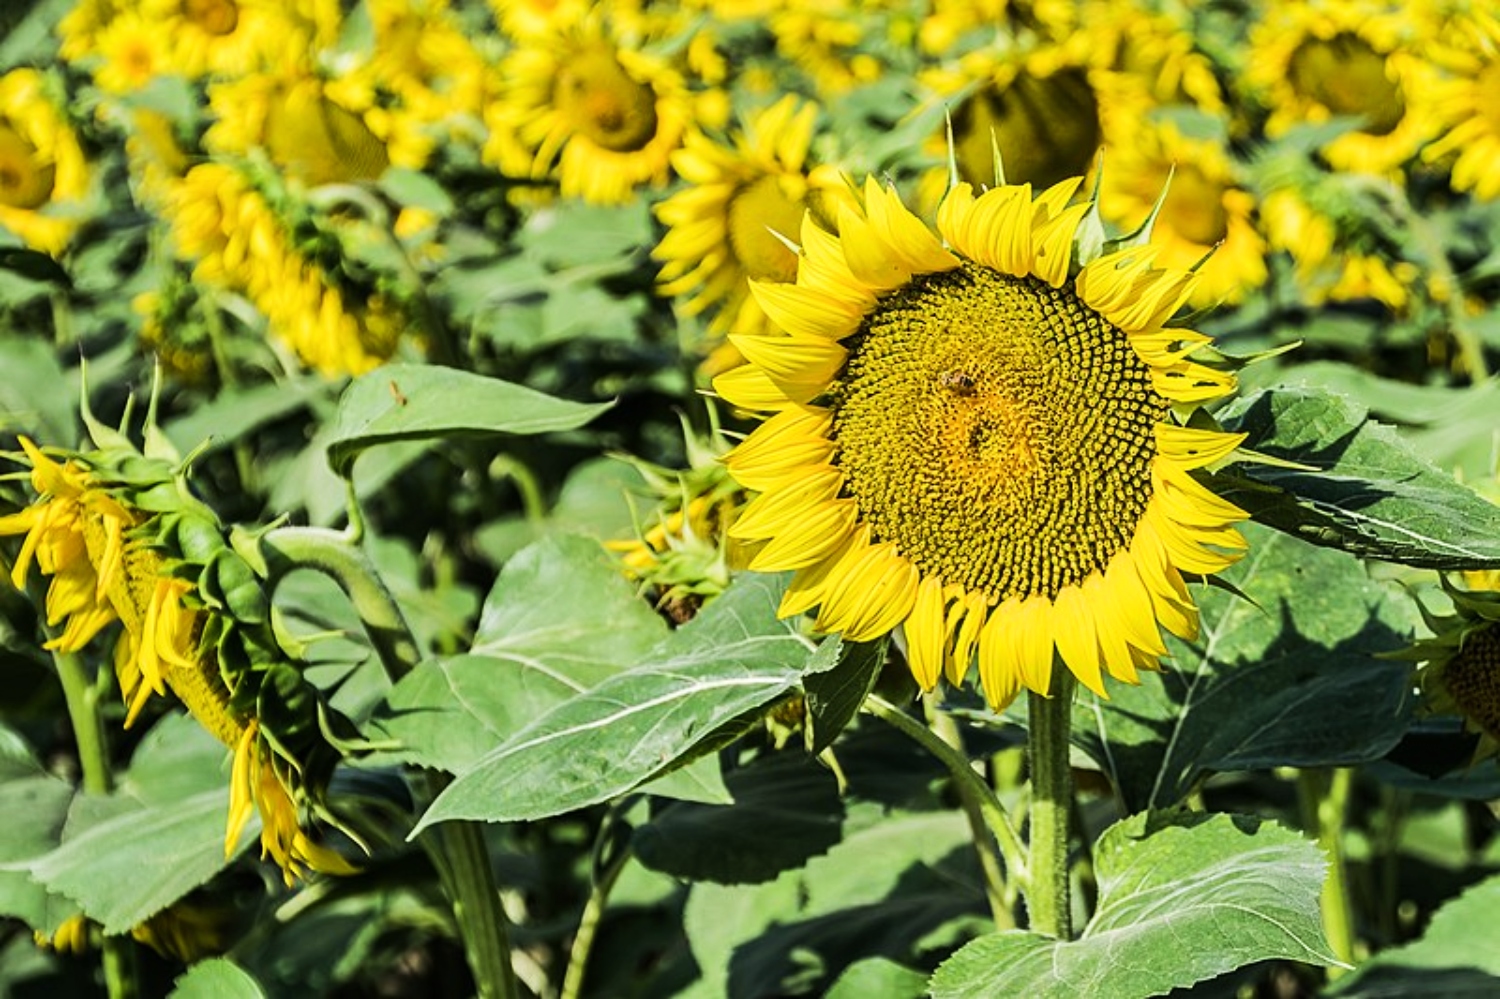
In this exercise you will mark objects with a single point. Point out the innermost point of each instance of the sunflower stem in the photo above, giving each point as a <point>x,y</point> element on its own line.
<point>457,848</point>
<point>333,554</point>
<point>1047,896</point>
<point>977,798</point>
<point>605,876</point>
<point>117,953</point>
<point>1325,803</point>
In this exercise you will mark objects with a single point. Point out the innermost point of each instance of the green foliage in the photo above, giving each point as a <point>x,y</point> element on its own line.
<point>403,402</point>
<point>1181,899</point>
<point>217,978</point>
<point>684,698</point>
<point>1363,489</point>
<point>1284,675</point>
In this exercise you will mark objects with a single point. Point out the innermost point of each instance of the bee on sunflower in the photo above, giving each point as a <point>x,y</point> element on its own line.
<point>122,539</point>
<point>984,436</point>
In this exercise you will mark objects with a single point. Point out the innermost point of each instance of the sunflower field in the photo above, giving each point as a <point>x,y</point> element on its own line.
<point>739,498</point>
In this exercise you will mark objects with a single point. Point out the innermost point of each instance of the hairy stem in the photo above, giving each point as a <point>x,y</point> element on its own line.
<point>1047,898</point>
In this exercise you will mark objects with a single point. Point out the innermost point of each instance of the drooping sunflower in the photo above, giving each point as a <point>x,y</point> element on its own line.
<point>1206,221</point>
<point>227,230</point>
<point>1313,62</point>
<point>1460,671</point>
<point>41,163</point>
<point>1039,105</point>
<point>583,104</point>
<point>1464,103</point>
<point>971,437</point>
<point>743,203</point>
<point>111,559</point>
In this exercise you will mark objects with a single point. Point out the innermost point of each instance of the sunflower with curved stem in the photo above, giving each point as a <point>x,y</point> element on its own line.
<point>1206,222</point>
<point>1346,58</point>
<point>114,556</point>
<point>734,221</point>
<point>971,437</point>
<point>41,163</point>
<point>602,115</point>
<point>1464,103</point>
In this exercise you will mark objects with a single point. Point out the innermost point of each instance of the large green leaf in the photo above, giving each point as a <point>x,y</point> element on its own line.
<point>734,658</point>
<point>895,879</point>
<point>404,402</point>
<point>159,836</point>
<point>1178,903</point>
<point>234,413</point>
<point>1288,680</point>
<point>1456,956</point>
<point>1371,494</point>
<point>559,619</point>
<point>786,810</point>
<point>35,806</point>
<point>217,978</point>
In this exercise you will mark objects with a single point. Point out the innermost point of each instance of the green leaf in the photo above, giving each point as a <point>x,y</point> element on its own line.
<point>1178,903</point>
<point>126,857</point>
<point>217,978</point>
<point>786,810</point>
<point>414,189</point>
<point>896,877</point>
<point>1372,494</point>
<point>1288,680</point>
<point>878,977</point>
<point>34,265</point>
<point>405,402</point>
<point>36,397</point>
<point>734,658</point>
<point>838,678</point>
<point>35,807</point>
<point>1455,957</point>
<point>235,413</point>
<point>559,619</point>
<point>701,781</point>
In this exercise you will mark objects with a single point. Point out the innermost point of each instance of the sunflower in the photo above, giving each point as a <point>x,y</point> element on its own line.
<point>1040,108</point>
<point>106,561</point>
<point>132,52</point>
<point>1347,58</point>
<point>1465,106</point>
<point>1206,221</point>
<point>1154,58</point>
<point>225,227</point>
<point>1332,265</point>
<point>41,163</point>
<point>733,222</point>
<point>317,132</point>
<point>604,115</point>
<point>972,438</point>
<point>1460,672</point>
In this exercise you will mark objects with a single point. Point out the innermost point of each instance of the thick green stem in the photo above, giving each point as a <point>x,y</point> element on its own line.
<point>1325,804</point>
<point>332,554</point>
<point>992,828</point>
<point>1047,898</point>
<point>82,698</point>
<point>457,849</point>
